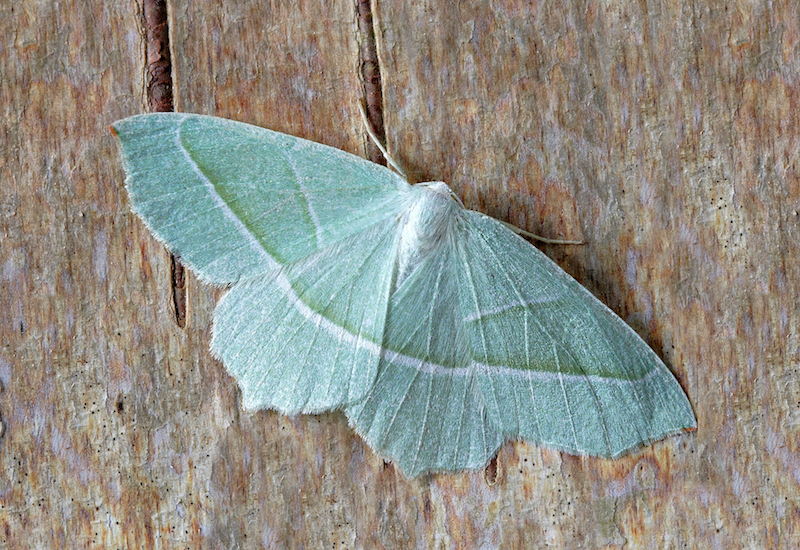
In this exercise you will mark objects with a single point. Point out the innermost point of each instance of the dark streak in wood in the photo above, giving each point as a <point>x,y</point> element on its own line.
<point>371,78</point>
<point>490,472</point>
<point>178,290</point>
<point>159,93</point>
<point>159,61</point>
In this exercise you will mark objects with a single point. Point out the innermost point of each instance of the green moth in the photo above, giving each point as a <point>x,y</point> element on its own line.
<point>438,331</point>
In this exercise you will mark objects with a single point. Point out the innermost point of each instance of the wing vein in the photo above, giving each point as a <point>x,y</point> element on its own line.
<point>566,400</point>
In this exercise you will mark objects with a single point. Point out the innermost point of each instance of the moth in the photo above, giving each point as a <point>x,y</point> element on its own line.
<point>440,332</point>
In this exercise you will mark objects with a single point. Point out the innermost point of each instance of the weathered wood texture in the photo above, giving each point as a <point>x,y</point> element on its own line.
<point>664,134</point>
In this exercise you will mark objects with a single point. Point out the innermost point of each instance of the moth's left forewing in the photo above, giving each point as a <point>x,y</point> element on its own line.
<point>554,364</point>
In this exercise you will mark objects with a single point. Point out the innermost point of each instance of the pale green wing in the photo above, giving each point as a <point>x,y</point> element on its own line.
<point>425,410</point>
<point>235,200</point>
<point>555,365</point>
<point>306,338</point>
<point>489,341</point>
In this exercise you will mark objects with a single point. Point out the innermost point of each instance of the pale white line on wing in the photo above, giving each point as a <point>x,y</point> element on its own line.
<point>504,307</point>
<point>221,204</point>
<point>482,368</point>
<point>311,213</point>
<point>432,368</point>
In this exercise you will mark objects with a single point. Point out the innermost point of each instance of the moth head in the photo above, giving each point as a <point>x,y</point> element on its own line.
<point>438,187</point>
<point>428,217</point>
<point>442,189</point>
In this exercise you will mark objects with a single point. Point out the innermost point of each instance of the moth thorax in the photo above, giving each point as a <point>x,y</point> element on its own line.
<point>428,225</point>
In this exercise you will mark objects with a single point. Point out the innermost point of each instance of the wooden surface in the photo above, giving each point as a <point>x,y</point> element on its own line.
<point>664,134</point>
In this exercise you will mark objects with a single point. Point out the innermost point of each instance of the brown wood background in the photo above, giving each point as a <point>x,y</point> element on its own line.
<point>666,134</point>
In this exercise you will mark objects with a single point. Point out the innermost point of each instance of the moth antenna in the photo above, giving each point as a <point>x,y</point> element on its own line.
<point>519,231</point>
<point>377,142</point>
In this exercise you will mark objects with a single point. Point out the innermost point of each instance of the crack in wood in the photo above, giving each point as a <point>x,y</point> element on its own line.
<point>371,78</point>
<point>159,60</point>
<point>160,97</point>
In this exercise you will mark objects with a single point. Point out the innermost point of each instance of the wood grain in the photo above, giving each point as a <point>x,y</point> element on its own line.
<point>666,135</point>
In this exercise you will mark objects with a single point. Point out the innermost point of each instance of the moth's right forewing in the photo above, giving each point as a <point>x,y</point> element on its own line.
<point>235,200</point>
